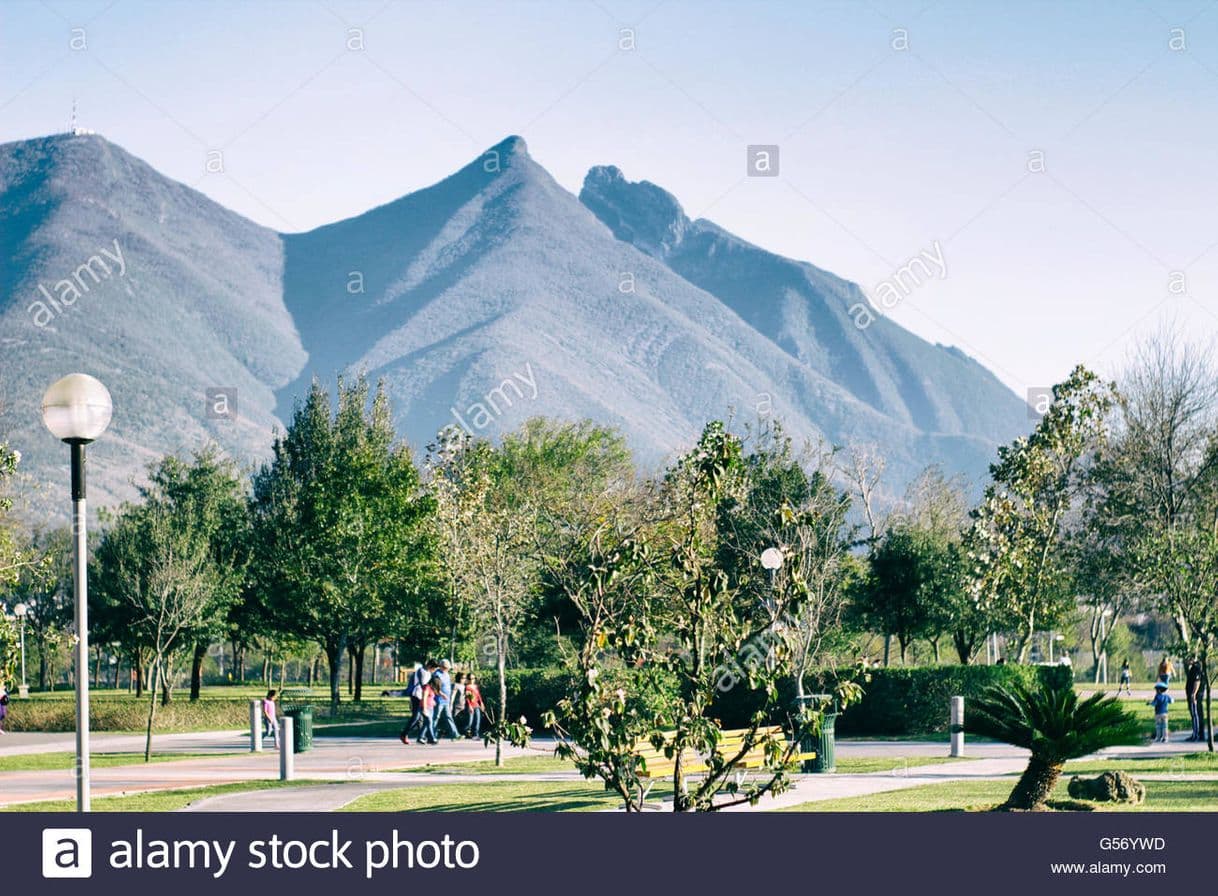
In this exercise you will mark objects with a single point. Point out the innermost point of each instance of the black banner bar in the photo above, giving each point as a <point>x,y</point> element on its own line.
<point>605,853</point>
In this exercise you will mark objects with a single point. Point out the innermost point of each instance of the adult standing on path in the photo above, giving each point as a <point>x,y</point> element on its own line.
<point>1192,691</point>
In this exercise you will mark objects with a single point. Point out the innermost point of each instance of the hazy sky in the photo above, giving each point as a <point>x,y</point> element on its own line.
<point>900,126</point>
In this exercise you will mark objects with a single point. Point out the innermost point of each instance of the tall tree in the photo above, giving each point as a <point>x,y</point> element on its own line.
<point>343,551</point>
<point>1015,546</point>
<point>486,541</point>
<point>157,564</point>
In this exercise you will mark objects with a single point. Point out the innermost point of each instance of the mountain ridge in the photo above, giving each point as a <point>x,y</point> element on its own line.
<point>452,294</point>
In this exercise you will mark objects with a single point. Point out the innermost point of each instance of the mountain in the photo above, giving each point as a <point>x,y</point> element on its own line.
<point>146,284</point>
<point>493,296</point>
<point>806,312</point>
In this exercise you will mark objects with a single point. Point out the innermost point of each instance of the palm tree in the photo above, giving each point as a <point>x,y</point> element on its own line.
<point>1055,725</point>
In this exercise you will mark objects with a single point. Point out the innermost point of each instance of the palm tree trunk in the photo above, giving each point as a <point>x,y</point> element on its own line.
<point>1035,785</point>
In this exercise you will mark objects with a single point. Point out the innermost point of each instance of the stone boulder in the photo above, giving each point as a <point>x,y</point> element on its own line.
<point>1110,787</point>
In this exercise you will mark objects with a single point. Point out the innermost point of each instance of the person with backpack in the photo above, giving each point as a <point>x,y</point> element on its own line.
<point>420,682</point>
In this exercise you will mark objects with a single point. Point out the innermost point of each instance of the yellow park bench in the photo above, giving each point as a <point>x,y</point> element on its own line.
<point>655,766</point>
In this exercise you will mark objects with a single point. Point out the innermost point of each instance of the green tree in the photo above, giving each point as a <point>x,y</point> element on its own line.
<point>209,491</point>
<point>486,540</point>
<point>908,577</point>
<point>1015,546</point>
<point>667,629</point>
<point>157,565</point>
<point>46,590</point>
<point>342,541</point>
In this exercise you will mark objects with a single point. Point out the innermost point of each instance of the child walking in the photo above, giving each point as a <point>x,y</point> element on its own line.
<point>270,720</point>
<point>1160,702</point>
<point>473,704</point>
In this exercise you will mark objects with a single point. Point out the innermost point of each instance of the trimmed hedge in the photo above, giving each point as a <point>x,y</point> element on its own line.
<point>897,701</point>
<point>902,701</point>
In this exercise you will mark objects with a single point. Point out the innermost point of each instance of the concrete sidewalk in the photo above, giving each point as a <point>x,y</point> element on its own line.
<point>340,759</point>
<point>365,765</point>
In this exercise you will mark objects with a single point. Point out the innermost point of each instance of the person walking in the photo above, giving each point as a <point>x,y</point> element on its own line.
<point>442,716</point>
<point>270,718</point>
<point>1192,692</point>
<point>420,681</point>
<point>1161,701</point>
<point>1166,670</point>
<point>429,705</point>
<point>3,707</point>
<point>473,706</point>
<point>458,704</point>
<point>1126,680</point>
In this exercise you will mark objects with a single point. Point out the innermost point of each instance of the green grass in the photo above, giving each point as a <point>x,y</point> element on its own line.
<point>1161,796</point>
<point>490,796</point>
<point>542,763</point>
<point>218,709</point>
<point>160,801</point>
<point>39,762</point>
<point>1183,764</point>
<point>862,765</point>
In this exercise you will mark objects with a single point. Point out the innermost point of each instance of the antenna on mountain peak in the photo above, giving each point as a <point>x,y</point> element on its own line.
<point>73,129</point>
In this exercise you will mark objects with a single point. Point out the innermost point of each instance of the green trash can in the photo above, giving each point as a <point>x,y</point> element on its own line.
<point>302,728</point>
<point>821,742</point>
<point>826,745</point>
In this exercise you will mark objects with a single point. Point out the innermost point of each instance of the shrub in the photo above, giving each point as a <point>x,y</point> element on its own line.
<point>901,701</point>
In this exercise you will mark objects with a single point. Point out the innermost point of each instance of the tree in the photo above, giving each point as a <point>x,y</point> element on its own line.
<point>45,588</point>
<point>208,491</point>
<point>486,543</point>
<point>158,565</point>
<point>1014,547</point>
<point>1052,723</point>
<point>342,544</point>
<point>1181,566</point>
<point>668,629</point>
<point>912,580</point>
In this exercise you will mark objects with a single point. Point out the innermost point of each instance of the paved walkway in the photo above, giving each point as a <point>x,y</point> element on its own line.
<point>366,765</point>
<point>333,758</point>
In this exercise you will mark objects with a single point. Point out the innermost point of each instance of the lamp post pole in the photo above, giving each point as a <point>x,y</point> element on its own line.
<point>77,409</point>
<point>21,611</point>
<point>80,592</point>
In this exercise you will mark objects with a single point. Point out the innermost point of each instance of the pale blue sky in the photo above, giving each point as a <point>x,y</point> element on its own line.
<point>883,151</point>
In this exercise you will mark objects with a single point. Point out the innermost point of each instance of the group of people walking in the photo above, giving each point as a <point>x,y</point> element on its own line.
<point>440,701</point>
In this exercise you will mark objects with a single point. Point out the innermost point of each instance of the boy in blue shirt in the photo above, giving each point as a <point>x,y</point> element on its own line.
<point>1160,702</point>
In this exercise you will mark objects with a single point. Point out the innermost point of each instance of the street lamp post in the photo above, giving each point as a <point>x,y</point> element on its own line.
<point>21,611</point>
<point>77,409</point>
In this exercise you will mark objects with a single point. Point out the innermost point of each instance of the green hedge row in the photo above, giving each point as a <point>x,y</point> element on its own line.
<point>897,701</point>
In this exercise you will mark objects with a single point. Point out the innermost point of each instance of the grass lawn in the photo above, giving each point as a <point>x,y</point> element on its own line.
<point>862,765</point>
<point>39,762</point>
<point>541,763</point>
<point>1161,796</point>
<point>491,796</point>
<point>159,801</point>
<point>1182,764</point>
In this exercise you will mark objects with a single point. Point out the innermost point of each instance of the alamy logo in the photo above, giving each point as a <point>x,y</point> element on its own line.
<point>67,852</point>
